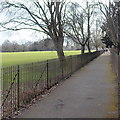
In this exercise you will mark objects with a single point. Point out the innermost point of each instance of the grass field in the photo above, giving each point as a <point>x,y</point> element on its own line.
<point>14,58</point>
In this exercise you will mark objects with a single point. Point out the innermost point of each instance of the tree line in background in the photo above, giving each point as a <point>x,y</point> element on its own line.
<point>58,20</point>
<point>43,45</point>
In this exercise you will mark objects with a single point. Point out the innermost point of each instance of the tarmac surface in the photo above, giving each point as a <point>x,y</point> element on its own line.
<point>91,92</point>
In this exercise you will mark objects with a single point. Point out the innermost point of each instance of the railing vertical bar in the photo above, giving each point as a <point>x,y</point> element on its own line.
<point>3,91</point>
<point>56,72</point>
<point>11,97</point>
<point>14,88</point>
<point>18,88</point>
<point>47,76</point>
<point>71,65</point>
<point>7,102</point>
<point>62,68</point>
<point>32,74</point>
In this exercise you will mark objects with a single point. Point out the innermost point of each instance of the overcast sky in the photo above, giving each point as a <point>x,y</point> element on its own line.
<point>27,35</point>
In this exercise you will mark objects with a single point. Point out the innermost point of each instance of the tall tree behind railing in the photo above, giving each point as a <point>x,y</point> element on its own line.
<point>111,25</point>
<point>40,16</point>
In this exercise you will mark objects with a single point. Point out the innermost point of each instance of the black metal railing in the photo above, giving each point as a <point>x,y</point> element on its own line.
<point>24,82</point>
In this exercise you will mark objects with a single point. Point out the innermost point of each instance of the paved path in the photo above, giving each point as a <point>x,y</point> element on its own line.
<point>89,93</point>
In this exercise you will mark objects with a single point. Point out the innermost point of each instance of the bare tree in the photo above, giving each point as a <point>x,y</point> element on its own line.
<point>74,28</point>
<point>46,17</point>
<point>88,14</point>
<point>7,46</point>
<point>78,24</point>
<point>96,40</point>
<point>96,35</point>
<point>111,25</point>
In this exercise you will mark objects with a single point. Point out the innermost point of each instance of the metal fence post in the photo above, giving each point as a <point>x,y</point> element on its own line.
<point>71,65</point>
<point>18,88</point>
<point>62,69</point>
<point>47,76</point>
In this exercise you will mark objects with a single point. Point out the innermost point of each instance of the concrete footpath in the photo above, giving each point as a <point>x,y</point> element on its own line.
<point>91,92</point>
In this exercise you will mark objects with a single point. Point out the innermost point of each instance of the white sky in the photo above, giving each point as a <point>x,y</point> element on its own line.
<point>27,35</point>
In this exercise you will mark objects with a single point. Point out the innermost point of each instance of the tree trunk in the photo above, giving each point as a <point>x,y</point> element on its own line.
<point>88,46</point>
<point>88,28</point>
<point>59,48</point>
<point>118,47</point>
<point>60,53</point>
<point>82,49</point>
<point>96,48</point>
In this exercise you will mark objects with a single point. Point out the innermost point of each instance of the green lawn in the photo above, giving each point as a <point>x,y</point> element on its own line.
<point>15,58</point>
